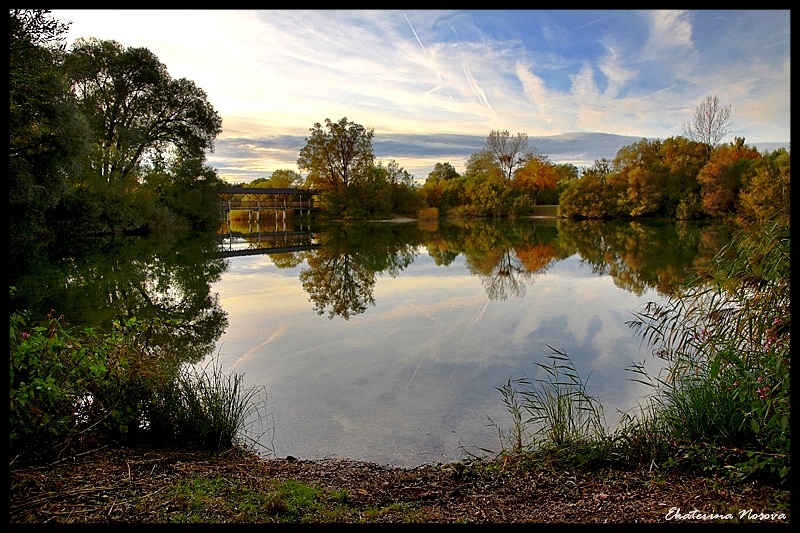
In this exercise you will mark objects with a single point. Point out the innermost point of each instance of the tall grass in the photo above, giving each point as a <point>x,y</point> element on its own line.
<point>726,393</point>
<point>556,412</point>
<point>213,409</point>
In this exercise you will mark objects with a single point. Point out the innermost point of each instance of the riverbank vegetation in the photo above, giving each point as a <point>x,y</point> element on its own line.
<point>722,405</point>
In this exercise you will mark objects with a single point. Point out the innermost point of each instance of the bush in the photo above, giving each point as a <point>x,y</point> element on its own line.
<point>72,390</point>
<point>428,213</point>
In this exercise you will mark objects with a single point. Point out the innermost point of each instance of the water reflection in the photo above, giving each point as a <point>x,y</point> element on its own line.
<point>388,341</point>
<point>507,256</point>
<point>340,276</point>
<point>166,277</point>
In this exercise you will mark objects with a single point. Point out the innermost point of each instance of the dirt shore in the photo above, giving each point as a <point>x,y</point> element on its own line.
<point>133,486</point>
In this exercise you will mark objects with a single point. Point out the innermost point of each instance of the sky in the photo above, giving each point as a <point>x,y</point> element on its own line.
<point>433,84</point>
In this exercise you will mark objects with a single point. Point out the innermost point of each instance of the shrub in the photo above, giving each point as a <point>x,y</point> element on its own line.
<point>428,213</point>
<point>71,390</point>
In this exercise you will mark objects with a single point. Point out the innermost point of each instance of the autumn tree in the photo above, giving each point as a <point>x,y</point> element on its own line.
<point>722,177</point>
<point>765,193</point>
<point>711,122</point>
<point>593,195</point>
<point>483,186</point>
<point>337,155</point>
<point>508,152</point>
<point>535,176</point>
<point>136,110</point>
<point>683,160</point>
<point>642,176</point>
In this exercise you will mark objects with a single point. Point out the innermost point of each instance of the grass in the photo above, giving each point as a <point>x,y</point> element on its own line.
<point>208,500</point>
<point>213,408</point>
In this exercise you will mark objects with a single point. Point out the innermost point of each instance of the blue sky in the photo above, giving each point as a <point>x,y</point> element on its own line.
<point>433,84</point>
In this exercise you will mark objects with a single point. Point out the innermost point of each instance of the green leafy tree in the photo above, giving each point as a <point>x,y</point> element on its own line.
<point>482,166</point>
<point>280,179</point>
<point>190,191</point>
<point>566,173</point>
<point>136,110</point>
<point>337,155</point>
<point>442,172</point>
<point>285,178</point>
<point>47,135</point>
<point>432,190</point>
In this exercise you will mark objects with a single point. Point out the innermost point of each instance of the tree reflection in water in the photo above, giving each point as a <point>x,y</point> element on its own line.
<point>507,255</point>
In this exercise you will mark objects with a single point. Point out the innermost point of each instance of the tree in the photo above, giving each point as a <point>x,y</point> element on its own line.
<point>136,110</point>
<point>711,123</point>
<point>284,178</point>
<point>483,166</point>
<point>765,194</point>
<point>684,159</point>
<point>47,136</point>
<point>442,172</point>
<point>536,175</point>
<point>508,152</point>
<point>722,177</point>
<point>337,157</point>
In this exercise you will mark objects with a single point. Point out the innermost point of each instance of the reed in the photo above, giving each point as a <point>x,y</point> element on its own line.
<point>214,409</point>
<point>722,403</point>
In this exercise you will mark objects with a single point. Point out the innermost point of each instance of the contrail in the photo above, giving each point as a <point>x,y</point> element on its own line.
<point>415,35</point>
<point>421,45</point>
<point>473,83</point>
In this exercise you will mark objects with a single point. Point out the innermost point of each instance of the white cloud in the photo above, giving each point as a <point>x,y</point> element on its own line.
<point>669,31</point>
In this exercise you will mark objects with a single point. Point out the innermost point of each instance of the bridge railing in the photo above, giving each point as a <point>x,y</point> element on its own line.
<point>267,204</point>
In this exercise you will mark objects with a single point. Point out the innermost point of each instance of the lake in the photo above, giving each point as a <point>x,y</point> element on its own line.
<point>387,342</point>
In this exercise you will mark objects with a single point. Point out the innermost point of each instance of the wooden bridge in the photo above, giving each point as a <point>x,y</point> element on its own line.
<point>255,200</point>
<point>269,234</point>
<point>267,243</point>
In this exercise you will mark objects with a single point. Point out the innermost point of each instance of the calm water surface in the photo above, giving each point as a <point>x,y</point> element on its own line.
<point>404,368</point>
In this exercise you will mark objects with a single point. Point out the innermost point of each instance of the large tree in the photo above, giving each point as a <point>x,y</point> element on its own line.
<point>336,155</point>
<point>711,122</point>
<point>46,133</point>
<point>722,178</point>
<point>509,152</point>
<point>283,178</point>
<point>136,110</point>
<point>536,175</point>
<point>442,172</point>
